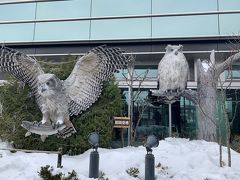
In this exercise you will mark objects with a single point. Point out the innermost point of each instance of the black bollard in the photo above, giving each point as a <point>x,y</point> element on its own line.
<point>94,165</point>
<point>59,162</point>
<point>149,167</point>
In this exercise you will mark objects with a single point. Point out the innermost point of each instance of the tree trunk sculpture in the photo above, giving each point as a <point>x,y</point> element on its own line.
<point>206,95</point>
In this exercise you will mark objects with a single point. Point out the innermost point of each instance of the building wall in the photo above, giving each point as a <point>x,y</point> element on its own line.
<point>141,27</point>
<point>83,20</point>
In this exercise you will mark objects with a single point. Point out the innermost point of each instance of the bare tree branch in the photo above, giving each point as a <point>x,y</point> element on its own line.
<point>220,68</point>
<point>191,95</point>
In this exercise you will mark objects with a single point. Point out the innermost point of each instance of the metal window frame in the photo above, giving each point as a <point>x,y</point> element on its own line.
<point>26,1</point>
<point>123,17</point>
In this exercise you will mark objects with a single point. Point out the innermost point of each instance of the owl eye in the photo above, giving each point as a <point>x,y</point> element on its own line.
<point>172,50</point>
<point>48,83</point>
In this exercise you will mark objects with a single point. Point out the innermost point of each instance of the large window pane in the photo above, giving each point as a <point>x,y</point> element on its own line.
<point>180,6</point>
<point>121,28</point>
<point>16,32</point>
<point>14,12</point>
<point>229,24</point>
<point>229,5</point>
<point>76,30</point>
<point>120,7</point>
<point>63,9</point>
<point>185,26</point>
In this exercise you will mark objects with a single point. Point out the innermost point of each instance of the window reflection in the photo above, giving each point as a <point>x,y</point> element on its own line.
<point>188,118</point>
<point>16,32</point>
<point>229,24</point>
<point>63,9</point>
<point>180,6</point>
<point>120,8</point>
<point>76,30</point>
<point>13,12</point>
<point>121,28</point>
<point>233,105</point>
<point>185,26</point>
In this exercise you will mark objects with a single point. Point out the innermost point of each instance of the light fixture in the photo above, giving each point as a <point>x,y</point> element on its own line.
<point>93,139</point>
<point>152,141</point>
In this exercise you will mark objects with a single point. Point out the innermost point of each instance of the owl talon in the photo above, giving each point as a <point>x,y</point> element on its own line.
<point>43,121</point>
<point>56,126</point>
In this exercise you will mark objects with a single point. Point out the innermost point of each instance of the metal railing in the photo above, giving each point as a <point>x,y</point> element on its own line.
<point>59,153</point>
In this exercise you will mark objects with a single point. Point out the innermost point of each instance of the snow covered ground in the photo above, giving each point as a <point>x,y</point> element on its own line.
<point>180,159</point>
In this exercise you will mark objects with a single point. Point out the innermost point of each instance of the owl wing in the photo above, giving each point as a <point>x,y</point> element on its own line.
<point>84,85</point>
<point>22,67</point>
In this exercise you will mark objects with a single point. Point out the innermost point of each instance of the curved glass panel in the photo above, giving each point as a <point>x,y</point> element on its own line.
<point>14,12</point>
<point>121,28</point>
<point>16,32</point>
<point>229,24</point>
<point>176,26</point>
<point>63,9</point>
<point>180,6</point>
<point>229,5</point>
<point>120,8</point>
<point>71,30</point>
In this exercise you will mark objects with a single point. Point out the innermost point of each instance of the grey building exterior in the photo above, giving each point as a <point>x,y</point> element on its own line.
<point>143,28</point>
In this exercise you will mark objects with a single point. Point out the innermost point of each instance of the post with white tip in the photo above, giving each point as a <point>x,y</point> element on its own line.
<point>93,139</point>
<point>152,141</point>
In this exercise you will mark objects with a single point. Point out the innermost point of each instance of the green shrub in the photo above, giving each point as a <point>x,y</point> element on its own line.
<point>46,174</point>
<point>102,176</point>
<point>134,172</point>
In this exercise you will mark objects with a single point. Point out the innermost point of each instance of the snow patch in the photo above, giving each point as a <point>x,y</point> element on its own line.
<point>205,66</point>
<point>177,159</point>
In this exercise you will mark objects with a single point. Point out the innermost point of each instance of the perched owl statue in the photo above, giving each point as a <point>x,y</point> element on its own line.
<point>59,99</point>
<point>173,73</point>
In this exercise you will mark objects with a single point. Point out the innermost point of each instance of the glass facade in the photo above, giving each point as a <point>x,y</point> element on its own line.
<point>229,24</point>
<point>60,30</point>
<point>17,12</point>
<point>112,19</point>
<point>16,32</point>
<point>121,29</point>
<point>120,8</point>
<point>190,26</point>
<point>63,9</point>
<point>86,20</point>
<point>229,5</point>
<point>183,6</point>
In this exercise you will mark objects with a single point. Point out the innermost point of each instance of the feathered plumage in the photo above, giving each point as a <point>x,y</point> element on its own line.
<point>173,73</point>
<point>60,99</point>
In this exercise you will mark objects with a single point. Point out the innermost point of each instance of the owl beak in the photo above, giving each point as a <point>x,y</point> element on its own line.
<point>43,89</point>
<point>176,53</point>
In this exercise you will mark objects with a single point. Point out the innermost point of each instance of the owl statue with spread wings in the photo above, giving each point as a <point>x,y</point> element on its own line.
<point>58,99</point>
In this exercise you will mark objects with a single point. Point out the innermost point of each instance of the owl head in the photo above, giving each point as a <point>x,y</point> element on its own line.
<point>49,84</point>
<point>174,49</point>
